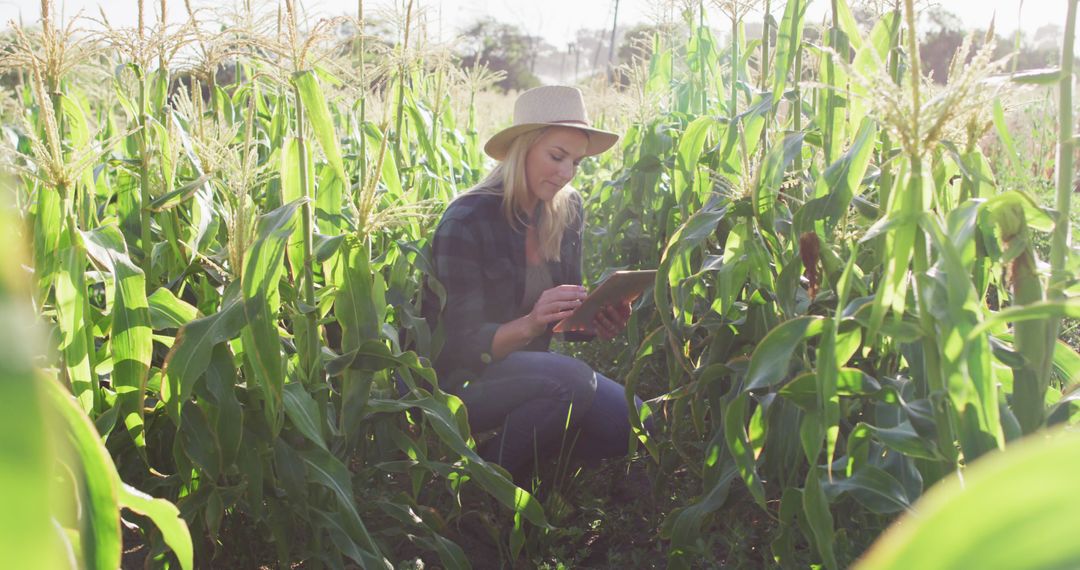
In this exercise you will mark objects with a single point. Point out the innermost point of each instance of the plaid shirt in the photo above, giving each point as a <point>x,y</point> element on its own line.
<point>480,261</point>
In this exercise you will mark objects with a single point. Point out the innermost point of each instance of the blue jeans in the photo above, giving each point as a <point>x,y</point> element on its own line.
<point>533,397</point>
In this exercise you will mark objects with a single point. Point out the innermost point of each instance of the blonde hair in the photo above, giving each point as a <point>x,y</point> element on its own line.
<point>508,179</point>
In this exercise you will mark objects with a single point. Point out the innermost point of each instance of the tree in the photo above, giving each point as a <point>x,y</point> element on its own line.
<point>503,47</point>
<point>945,34</point>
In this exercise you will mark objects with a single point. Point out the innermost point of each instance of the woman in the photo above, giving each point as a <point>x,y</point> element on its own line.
<point>508,254</point>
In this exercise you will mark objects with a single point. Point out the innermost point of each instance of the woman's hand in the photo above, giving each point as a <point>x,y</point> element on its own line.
<point>612,319</point>
<point>554,305</point>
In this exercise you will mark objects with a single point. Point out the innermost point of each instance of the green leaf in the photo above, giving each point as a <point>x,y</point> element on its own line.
<point>226,414</point>
<point>904,211</point>
<point>301,408</point>
<point>770,361</point>
<point>848,24</point>
<point>199,442</point>
<point>73,318</point>
<point>738,442</point>
<point>328,471</point>
<point>1066,363</point>
<point>981,521</point>
<point>166,517</point>
<point>816,506</point>
<point>874,488</point>
<point>843,178</point>
<point>370,356</point>
<point>683,526</point>
<point>446,426</point>
<point>289,171</point>
<point>1035,311</point>
<point>902,439</point>
<point>777,162</point>
<point>690,148</point>
<point>788,42</point>
<point>131,335</point>
<point>318,113</point>
<point>1044,76</point>
<point>27,532</point>
<point>167,311</point>
<point>802,391</point>
<point>99,484</point>
<point>48,222</point>
<point>176,197</point>
<point>332,523</point>
<point>1005,136</point>
<point>263,267</point>
<point>190,354</point>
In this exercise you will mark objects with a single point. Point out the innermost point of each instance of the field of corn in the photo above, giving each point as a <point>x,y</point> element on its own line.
<point>855,351</point>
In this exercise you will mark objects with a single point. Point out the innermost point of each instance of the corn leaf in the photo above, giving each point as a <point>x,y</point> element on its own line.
<point>166,517</point>
<point>130,337</point>
<point>816,507</point>
<point>167,311</point>
<point>190,354</point>
<point>99,484</point>
<point>302,410</point>
<point>263,268</point>
<point>788,42</point>
<point>27,535</point>
<point>771,359</point>
<point>318,113</point>
<point>738,442</point>
<point>328,471</point>
<point>952,527</point>
<point>73,319</point>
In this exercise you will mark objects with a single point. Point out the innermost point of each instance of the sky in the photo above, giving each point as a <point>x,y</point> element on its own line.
<point>554,20</point>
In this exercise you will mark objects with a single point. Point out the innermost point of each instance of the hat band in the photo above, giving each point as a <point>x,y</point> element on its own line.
<point>572,122</point>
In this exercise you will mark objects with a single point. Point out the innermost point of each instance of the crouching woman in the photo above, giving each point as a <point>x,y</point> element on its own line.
<point>508,254</point>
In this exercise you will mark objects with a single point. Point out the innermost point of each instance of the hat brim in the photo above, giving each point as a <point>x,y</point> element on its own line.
<point>499,143</point>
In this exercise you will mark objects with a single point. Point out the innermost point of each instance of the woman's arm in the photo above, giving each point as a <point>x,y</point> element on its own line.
<point>554,305</point>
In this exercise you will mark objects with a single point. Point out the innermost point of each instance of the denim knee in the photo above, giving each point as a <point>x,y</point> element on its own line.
<point>575,379</point>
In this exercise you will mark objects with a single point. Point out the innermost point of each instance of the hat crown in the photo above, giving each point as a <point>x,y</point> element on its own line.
<point>551,104</point>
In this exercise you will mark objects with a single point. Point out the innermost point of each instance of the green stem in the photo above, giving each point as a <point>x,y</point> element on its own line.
<point>308,349</point>
<point>765,35</point>
<point>145,239</point>
<point>913,60</point>
<point>1060,238</point>
<point>830,87</point>
<point>702,77</point>
<point>935,382</point>
<point>764,79</point>
<point>734,110</point>
<point>886,181</point>
<point>363,109</point>
<point>402,71</point>
<point>798,110</point>
<point>1036,339</point>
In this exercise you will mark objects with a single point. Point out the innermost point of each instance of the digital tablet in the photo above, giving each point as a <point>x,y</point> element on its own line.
<point>623,286</point>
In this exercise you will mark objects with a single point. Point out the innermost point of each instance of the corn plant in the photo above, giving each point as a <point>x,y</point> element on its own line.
<point>233,273</point>
<point>832,308</point>
<point>849,306</point>
<point>62,486</point>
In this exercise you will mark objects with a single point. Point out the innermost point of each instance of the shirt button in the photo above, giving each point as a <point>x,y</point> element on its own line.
<point>485,358</point>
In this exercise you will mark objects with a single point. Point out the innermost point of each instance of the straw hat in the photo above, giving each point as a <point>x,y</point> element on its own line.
<point>553,105</point>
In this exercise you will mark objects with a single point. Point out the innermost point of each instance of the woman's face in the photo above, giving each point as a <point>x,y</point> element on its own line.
<point>552,161</point>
